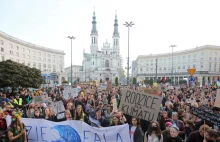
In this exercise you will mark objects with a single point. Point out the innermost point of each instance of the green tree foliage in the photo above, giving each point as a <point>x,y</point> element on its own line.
<point>134,80</point>
<point>116,81</point>
<point>182,81</point>
<point>13,74</point>
<point>151,81</point>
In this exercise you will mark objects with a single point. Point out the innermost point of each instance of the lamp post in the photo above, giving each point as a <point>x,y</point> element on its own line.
<point>130,24</point>
<point>71,38</point>
<point>172,46</point>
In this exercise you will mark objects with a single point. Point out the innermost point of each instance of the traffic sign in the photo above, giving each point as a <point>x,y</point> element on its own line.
<point>191,71</point>
<point>191,79</point>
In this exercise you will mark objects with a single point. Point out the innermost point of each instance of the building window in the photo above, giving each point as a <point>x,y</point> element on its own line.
<point>39,54</point>
<point>106,63</point>
<point>202,59</point>
<point>48,55</point>
<point>11,52</point>
<point>3,58</point>
<point>164,68</point>
<point>189,56</point>
<point>17,47</point>
<point>45,66</point>
<point>34,52</point>
<point>17,54</point>
<point>23,50</point>
<point>11,46</point>
<point>28,56</point>
<point>194,66</point>
<point>39,65</point>
<point>44,59</point>
<point>106,52</point>
<point>141,69</point>
<point>53,56</point>
<point>183,66</point>
<point>39,58</point>
<point>44,55</point>
<point>188,66</point>
<point>28,51</point>
<point>215,58</point>
<point>93,63</point>
<point>1,42</point>
<point>216,53</point>
<point>210,58</point>
<point>194,60</point>
<point>201,64</point>
<point>178,67</point>
<point>194,55</point>
<point>29,64</point>
<point>202,53</point>
<point>49,60</point>
<point>2,50</point>
<point>34,64</point>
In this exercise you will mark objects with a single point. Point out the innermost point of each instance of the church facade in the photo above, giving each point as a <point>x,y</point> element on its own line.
<point>104,64</point>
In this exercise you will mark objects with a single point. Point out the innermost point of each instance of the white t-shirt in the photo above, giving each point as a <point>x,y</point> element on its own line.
<point>133,128</point>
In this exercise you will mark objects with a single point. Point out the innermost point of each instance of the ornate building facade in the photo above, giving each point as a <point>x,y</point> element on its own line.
<point>104,64</point>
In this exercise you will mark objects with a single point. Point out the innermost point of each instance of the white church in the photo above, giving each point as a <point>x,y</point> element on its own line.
<point>104,64</point>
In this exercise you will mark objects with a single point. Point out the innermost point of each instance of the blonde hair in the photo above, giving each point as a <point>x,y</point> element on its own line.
<point>2,114</point>
<point>204,127</point>
<point>67,111</point>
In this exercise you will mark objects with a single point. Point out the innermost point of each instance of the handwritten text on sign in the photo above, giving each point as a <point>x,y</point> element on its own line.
<point>58,107</point>
<point>140,105</point>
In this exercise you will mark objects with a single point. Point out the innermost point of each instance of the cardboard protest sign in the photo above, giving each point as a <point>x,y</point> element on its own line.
<point>58,107</point>
<point>212,118</point>
<point>140,105</point>
<point>41,98</point>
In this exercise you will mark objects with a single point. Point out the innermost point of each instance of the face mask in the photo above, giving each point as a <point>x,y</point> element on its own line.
<point>154,128</point>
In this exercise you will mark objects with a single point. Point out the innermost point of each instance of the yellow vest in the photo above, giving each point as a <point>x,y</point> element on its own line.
<point>18,103</point>
<point>11,105</point>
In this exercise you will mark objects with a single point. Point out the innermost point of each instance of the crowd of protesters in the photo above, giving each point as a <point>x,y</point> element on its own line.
<point>175,123</point>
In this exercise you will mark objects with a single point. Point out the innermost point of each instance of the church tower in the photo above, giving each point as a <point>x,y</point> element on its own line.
<point>94,36</point>
<point>116,37</point>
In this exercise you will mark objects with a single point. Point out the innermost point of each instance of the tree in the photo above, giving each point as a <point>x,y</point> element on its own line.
<point>182,81</point>
<point>151,81</point>
<point>17,75</point>
<point>116,81</point>
<point>134,80</point>
<point>100,80</point>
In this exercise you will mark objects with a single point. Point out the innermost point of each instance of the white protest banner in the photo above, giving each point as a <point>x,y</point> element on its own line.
<point>170,87</point>
<point>140,105</point>
<point>40,130</point>
<point>58,107</point>
<point>70,92</point>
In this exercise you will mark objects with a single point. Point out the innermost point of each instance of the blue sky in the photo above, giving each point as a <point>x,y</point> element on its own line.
<point>158,24</point>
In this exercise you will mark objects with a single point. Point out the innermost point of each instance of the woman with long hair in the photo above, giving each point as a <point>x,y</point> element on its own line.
<point>47,115</point>
<point>136,134</point>
<point>16,131</point>
<point>153,133</point>
<point>79,114</point>
<point>116,121</point>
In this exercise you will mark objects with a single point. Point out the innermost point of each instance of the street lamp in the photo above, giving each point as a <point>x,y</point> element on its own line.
<point>128,25</point>
<point>172,46</point>
<point>71,38</point>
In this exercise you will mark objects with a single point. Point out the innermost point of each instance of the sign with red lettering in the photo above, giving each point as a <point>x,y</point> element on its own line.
<point>140,104</point>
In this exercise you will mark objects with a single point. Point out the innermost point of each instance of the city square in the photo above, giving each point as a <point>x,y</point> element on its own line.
<point>109,71</point>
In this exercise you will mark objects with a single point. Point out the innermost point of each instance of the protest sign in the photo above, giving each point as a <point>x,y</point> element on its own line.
<point>40,130</point>
<point>69,92</point>
<point>102,87</point>
<point>58,107</point>
<point>205,115</point>
<point>41,98</point>
<point>170,87</point>
<point>140,105</point>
